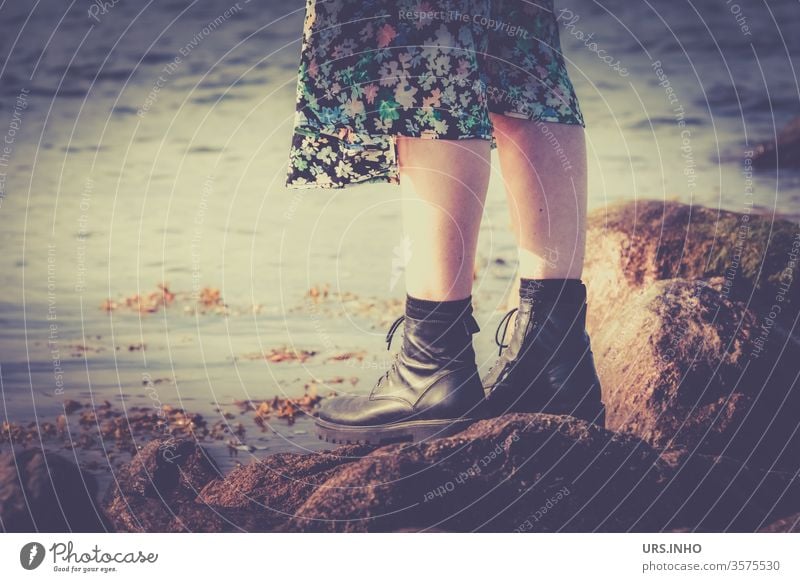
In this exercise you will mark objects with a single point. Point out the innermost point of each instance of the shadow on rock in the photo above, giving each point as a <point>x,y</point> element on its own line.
<point>43,492</point>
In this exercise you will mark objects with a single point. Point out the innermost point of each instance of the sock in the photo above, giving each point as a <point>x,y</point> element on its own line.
<point>437,310</point>
<point>566,291</point>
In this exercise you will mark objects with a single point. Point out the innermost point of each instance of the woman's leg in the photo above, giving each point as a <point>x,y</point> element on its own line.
<point>432,387</point>
<point>444,186</point>
<point>547,365</point>
<point>544,171</point>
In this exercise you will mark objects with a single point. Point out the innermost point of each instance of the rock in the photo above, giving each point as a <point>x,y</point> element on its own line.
<point>786,154</point>
<point>43,492</point>
<point>721,494</point>
<point>141,514</point>
<point>519,472</point>
<point>695,338</point>
<point>178,488</point>
<point>536,472</point>
<point>279,483</point>
<point>677,367</point>
<point>632,245</point>
<point>151,492</point>
<point>165,467</point>
<point>693,316</point>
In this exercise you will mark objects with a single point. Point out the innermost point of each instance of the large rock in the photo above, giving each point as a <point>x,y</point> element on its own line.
<point>720,494</point>
<point>157,489</point>
<point>693,318</point>
<point>179,488</point>
<point>43,492</point>
<point>677,368</point>
<point>752,258</point>
<point>520,472</point>
<point>693,315</point>
<point>632,245</point>
<point>542,473</point>
<point>280,483</point>
<point>516,472</point>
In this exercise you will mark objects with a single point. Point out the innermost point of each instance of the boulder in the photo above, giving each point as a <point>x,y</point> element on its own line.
<point>43,492</point>
<point>693,314</point>
<point>713,493</point>
<point>175,486</point>
<point>678,367</point>
<point>519,472</point>
<point>753,258</point>
<point>693,318</point>
<point>543,473</point>
<point>155,491</point>
<point>167,467</point>
<point>280,483</point>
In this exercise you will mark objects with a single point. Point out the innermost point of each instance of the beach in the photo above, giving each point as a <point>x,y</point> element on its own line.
<point>153,259</point>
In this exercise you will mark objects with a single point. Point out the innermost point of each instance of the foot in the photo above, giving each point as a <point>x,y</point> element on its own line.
<point>547,366</point>
<point>432,389</point>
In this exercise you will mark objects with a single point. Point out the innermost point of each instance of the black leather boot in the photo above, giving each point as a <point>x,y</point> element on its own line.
<point>547,366</point>
<point>432,388</point>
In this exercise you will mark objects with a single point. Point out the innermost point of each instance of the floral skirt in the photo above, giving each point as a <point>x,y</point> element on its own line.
<point>372,70</point>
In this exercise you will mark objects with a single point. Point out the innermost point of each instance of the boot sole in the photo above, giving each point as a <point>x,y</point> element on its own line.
<point>399,432</point>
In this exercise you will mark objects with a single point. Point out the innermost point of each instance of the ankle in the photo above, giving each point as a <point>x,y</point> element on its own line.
<point>424,309</point>
<point>552,291</point>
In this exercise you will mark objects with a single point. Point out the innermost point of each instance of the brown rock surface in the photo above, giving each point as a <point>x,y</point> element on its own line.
<point>278,483</point>
<point>632,245</point>
<point>187,493</point>
<point>495,476</point>
<point>156,490</point>
<point>677,369</point>
<point>519,472</point>
<point>691,348</point>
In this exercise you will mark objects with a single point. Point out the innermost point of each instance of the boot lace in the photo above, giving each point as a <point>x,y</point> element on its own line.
<point>504,323</point>
<point>389,336</point>
<point>392,329</point>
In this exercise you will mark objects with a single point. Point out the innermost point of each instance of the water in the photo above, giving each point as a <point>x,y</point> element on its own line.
<point>152,146</point>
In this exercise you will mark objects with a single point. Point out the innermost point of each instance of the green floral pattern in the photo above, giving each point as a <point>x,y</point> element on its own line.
<point>371,70</point>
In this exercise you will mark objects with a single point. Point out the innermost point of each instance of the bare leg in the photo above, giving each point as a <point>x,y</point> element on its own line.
<point>547,365</point>
<point>544,170</point>
<point>432,388</point>
<point>444,185</point>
